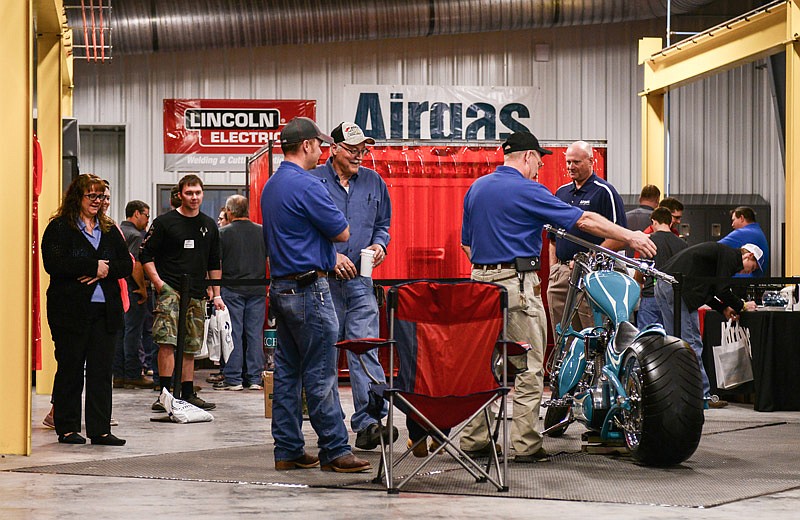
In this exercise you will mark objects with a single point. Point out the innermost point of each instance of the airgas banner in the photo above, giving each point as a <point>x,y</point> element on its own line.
<point>219,134</point>
<point>440,112</point>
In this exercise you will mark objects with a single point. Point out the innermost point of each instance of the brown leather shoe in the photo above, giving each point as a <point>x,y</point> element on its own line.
<point>305,461</point>
<point>347,464</point>
<point>140,382</point>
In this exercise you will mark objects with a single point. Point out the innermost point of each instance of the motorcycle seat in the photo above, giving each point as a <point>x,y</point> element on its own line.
<point>625,335</point>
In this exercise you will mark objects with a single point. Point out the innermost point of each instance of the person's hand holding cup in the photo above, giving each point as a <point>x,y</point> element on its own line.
<point>367,262</point>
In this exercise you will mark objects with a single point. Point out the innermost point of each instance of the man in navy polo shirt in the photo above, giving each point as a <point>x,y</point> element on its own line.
<point>501,233</point>
<point>301,223</point>
<point>588,192</point>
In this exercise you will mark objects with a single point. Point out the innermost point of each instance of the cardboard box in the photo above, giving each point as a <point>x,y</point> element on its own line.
<point>268,378</point>
<point>269,392</point>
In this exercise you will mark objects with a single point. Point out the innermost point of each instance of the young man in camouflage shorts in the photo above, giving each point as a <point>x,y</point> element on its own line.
<point>183,241</point>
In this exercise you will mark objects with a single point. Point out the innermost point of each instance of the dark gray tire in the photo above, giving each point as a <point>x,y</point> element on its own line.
<point>662,377</point>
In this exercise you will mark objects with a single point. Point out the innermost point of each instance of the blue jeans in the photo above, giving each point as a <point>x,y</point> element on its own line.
<point>690,326</point>
<point>247,323</point>
<point>357,312</point>
<point>648,313</point>
<point>127,364</point>
<point>305,357</point>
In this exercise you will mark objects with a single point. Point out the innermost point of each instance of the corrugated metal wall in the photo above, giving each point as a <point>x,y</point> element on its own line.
<point>723,129</point>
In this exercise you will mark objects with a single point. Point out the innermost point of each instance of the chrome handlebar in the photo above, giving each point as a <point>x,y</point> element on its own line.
<point>643,266</point>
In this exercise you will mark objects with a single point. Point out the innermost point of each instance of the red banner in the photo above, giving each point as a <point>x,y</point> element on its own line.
<point>219,134</point>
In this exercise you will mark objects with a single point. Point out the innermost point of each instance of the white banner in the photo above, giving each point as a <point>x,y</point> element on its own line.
<point>389,112</point>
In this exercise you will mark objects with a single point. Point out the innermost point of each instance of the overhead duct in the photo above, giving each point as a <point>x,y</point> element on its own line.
<point>145,26</point>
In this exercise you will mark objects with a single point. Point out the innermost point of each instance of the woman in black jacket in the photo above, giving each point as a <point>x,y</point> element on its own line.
<point>84,254</point>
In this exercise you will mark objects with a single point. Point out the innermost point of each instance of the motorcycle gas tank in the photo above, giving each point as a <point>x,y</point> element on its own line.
<point>573,367</point>
<point>614,293</point>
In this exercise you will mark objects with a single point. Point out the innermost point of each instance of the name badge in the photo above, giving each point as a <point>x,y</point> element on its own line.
<point>188,244</point>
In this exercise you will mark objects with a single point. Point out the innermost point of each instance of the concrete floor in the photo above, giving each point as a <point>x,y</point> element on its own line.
<point>239,421</point>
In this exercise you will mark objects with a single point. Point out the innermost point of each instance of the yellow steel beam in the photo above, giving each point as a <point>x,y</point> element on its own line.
<point>50,137</point>
<point>16,107</point>
<point>652,124</point>
<point>734,43</point>
<point>792,245</point>
<point>52,20</point>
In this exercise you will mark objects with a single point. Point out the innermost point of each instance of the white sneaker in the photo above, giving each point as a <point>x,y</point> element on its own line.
<point>255,386</point>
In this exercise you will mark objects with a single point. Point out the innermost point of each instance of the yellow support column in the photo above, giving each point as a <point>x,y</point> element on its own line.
<point>792,244</point>
<point>49,105</point>
<point>653,141</point>
<point>16,108</point>
<point>653,134</point>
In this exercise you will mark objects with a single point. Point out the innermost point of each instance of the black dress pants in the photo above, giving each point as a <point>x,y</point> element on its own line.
<point>91,345</point>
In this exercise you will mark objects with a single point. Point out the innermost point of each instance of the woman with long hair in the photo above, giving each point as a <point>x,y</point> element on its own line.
<point>85,255</point>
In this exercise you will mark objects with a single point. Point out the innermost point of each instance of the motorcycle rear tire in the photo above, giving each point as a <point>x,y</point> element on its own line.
<point>664,425</point>
<point>553,416</point>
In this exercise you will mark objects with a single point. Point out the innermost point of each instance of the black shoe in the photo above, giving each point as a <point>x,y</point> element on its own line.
<point>72,438</point>
<point>486,451</point>
<point>193,399</point>
<point>158,407</point>
<point>386,438</point>
<point>540,455</point>
<point>370,437</point>
<point>108,439</point>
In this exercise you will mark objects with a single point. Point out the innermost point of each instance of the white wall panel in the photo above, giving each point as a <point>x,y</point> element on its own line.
<point>723,131</point>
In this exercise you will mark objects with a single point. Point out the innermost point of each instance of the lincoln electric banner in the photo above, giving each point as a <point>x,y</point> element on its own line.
<point>219,134</point>
<point>439,112</point>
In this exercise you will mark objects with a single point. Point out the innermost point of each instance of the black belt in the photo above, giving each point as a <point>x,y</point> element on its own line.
<point>320,274</point>
<point>494,266</point>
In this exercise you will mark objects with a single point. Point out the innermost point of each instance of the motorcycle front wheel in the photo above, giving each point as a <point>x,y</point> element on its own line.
<point>664,422</point>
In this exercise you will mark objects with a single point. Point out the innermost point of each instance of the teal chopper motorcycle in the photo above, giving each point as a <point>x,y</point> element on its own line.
<point>622,383</point>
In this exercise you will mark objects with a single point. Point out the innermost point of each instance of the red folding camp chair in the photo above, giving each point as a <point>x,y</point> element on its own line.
<point>454,363</point>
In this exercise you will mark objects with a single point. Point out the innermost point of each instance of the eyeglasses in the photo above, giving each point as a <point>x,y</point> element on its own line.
<point>355,152</point>
<point>145,215</point>
<point>97,196</point>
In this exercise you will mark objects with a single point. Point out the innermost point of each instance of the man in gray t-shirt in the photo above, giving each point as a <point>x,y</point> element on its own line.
<point>127,364</point>
<point>244,256</point>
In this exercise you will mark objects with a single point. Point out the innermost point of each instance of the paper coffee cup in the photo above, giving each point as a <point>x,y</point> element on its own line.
<point>367,256</point>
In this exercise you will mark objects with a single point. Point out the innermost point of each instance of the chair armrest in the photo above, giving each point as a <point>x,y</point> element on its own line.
<point>362,345</point>
<point>514,348</point>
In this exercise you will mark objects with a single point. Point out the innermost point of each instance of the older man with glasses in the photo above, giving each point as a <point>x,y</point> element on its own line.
<point>127,363</point>
<point>361,195</point>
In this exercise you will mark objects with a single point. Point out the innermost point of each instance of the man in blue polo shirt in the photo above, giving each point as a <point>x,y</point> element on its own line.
<point>501,233</point>
<point>361,195</point>
<point>301,223</point>
<point>747,231</point>
<point>590,193</point>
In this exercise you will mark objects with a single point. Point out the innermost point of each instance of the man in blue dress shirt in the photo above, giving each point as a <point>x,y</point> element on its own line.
<point>301,224</point>
<point>361,194</point>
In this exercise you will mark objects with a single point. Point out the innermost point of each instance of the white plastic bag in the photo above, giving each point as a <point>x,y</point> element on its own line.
<point>217,336</point>
<point>180,411</point>
<point>732,359</point>
<point>203,354</point>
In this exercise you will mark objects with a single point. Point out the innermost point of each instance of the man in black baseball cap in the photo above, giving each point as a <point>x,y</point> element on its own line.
<point>502,235</point>
<point>522,141</point>
<point>301,129</point>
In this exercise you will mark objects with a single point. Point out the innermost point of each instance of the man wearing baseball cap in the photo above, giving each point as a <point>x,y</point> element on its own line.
<point>501,233</point>
<point>301,225</point>
<point>361,194</point>
<point>707,259</point>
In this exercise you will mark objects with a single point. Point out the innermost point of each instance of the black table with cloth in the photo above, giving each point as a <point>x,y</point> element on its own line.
<point>775,345</point>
